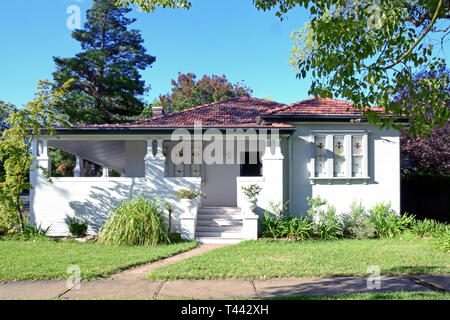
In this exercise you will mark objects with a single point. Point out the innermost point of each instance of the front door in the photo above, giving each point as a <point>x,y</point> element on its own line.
<point>219,184</point>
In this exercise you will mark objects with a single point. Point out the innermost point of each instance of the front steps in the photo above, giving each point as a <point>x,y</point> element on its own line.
<point>220,225</point>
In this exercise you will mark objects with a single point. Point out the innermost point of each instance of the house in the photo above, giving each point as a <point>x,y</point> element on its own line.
<point>306,149</point>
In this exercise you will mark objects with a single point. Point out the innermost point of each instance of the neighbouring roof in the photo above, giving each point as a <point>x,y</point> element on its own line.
<point>242,112</point>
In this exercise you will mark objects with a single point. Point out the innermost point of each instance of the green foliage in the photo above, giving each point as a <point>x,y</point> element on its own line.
<point>139,221</point>
<point>62,163</point>
<point>187,92</point>
<point>327,223</point>
<point>151,5</point>
<point>387,43</point>
<point>429,228</point>
<point>443,242</point>
<point>77,227</point>
<point>287,227</point>
<point>189,194</point>
<point>356,223</point>
<point>387,222</point>
<point>36,118</point>
<point>107,85</point>
<point>251,191</point>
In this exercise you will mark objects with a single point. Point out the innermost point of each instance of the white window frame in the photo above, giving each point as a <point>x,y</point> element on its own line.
<point>348,176</point>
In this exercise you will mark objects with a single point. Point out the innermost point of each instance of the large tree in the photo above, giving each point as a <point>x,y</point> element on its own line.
<point>365,51</point>
<point>187,92</point>
<point>108,86</point>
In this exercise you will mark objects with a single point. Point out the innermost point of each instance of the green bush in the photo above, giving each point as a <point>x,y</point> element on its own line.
<point>139,221</point>
<point>387,222</point>
<point>76,227</point>
<point>442,242</point>
<point>189,194</point>
<point>287,227</point>
<point>356,223</point>
<point>429,228</point>
<point>327,224</point>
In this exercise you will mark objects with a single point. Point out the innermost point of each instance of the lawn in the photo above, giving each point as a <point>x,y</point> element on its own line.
<point>398,295</point>
<point>347,257</point>
<point>28,260</point>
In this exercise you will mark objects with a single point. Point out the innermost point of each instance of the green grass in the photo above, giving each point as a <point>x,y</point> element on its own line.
<point>398,295</point>
<point>28,260</point>
<point>274,259</point>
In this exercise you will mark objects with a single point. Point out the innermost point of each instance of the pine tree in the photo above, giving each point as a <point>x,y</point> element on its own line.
<point>107,87</point>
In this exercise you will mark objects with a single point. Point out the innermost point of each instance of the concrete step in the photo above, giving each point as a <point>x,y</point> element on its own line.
<point>219,210</point>
<point>219,234</point>
<point>215,240</point>
<point>222,216</point>
<point>219,222</point>
<point>216,228</point>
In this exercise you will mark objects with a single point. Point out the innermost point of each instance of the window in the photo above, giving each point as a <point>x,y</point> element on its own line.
<point>251,169</point>
<point>339,155</point>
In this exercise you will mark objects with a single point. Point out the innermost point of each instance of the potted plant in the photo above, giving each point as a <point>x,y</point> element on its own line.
<point>250,194</point>
<point>188,199</point>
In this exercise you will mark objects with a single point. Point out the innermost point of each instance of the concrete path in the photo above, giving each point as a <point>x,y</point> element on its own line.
<point>140,272</point>
<point>121,288</point>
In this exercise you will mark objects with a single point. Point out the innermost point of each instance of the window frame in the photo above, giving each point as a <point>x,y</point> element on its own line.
<point>348,155</point>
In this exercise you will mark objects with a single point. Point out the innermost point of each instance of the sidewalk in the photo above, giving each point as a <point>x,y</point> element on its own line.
<point>131,284</point>
<point>212,289</point>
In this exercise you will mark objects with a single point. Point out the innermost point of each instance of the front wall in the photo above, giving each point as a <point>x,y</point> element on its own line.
<point>384,171</point>
<point>94,198</point>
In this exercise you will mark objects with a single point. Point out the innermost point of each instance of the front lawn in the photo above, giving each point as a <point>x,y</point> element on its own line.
<point>48,259</point>
<point>347,257</point>
<point>398,295</point>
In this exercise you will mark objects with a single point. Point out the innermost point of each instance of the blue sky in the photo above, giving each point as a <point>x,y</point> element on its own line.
<point>215,37</point>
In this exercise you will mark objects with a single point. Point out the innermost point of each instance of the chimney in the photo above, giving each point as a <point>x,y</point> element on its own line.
<point>157,111</point>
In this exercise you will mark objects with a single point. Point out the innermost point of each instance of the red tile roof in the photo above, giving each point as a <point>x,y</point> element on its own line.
<point>313,106</point>
<point>236,112</point>
<point>239,112</point>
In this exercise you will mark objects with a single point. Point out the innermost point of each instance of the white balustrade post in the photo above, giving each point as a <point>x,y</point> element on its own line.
<point>154,164</point>
<point>77,171</point>
<point>43,160</point>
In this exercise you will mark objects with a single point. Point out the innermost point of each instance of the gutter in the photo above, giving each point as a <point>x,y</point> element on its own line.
<point>321,118</point>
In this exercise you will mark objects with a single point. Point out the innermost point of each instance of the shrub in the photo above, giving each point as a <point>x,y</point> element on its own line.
<point>251,191</point>
<point>387,222</point>
<point>189,194</point>
<point>429,228</point>
<point>287,227</point>
<point>34,232</point>
<point>443,242</point>
<point>327,223</point>
<point>76,227</point>
<point>356,223</point>
<point>139,221</point>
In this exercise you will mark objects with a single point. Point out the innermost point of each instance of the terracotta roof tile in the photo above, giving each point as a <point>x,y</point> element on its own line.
<point>239,112</point>
<point>313,106</point>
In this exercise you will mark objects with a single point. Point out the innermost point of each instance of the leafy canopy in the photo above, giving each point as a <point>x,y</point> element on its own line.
<point>107,87</point>
<point>365,51</point>
<point>25,124</point>
<point>187,92</point>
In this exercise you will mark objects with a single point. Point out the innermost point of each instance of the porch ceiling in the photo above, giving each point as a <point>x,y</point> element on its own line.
<point>108,153</point>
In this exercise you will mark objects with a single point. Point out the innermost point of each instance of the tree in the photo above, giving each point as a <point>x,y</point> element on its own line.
<point>37,117</point>
<point>107,86</point>
<point>365,52</point>
<point>187,92</point>
<point>430,153</point>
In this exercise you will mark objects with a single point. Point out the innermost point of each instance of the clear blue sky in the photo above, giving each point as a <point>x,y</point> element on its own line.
<point>215,37</point>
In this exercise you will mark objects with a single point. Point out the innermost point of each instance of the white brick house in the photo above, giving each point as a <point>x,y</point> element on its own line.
<point>307,149</point>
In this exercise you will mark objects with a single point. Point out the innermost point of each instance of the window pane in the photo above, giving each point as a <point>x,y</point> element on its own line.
<point>357,156</point>
<point>319,157</point>
<point>339,156</point>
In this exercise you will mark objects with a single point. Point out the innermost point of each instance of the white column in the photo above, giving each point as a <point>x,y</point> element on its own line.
<point>154,164</point>
<point>43,160</point>
<point>77,172</point>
